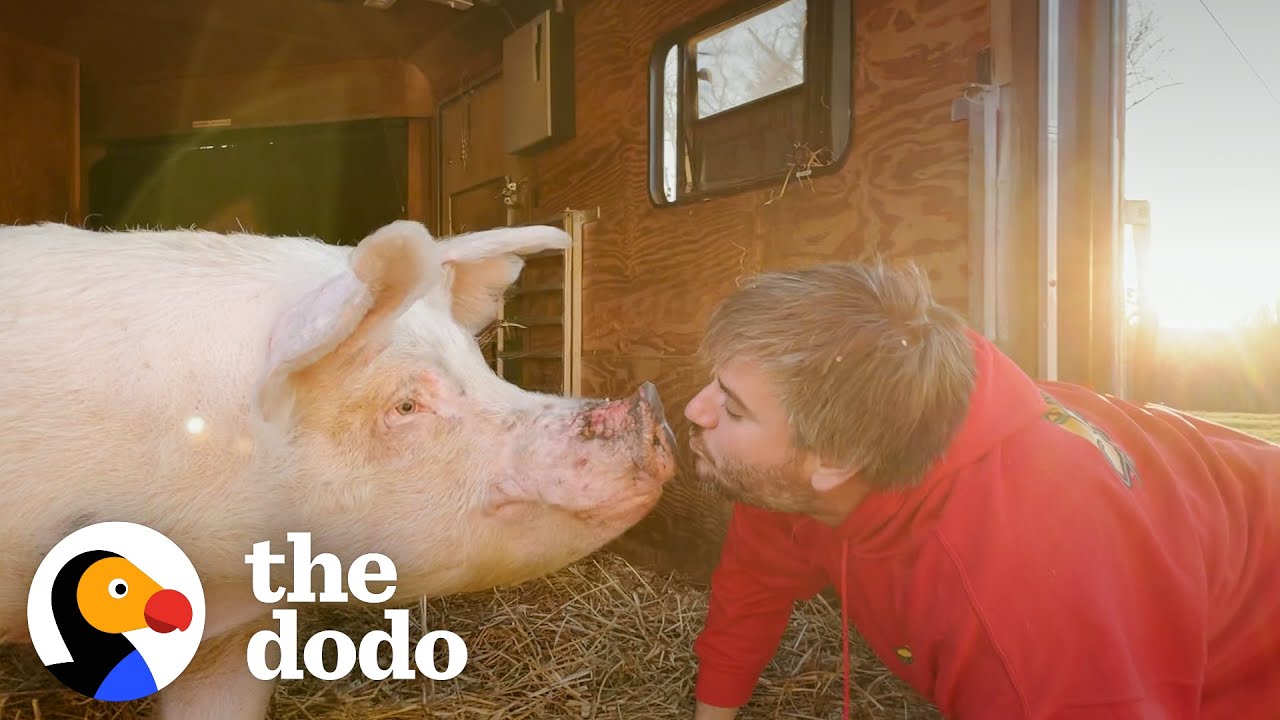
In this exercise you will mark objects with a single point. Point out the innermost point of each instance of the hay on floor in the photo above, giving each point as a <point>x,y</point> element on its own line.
<point>600,639</point>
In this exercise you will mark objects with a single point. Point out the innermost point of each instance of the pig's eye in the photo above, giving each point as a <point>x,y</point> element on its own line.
<point>406,407</point>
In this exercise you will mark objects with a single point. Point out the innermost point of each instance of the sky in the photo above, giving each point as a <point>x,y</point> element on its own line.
<point>1206,154</point>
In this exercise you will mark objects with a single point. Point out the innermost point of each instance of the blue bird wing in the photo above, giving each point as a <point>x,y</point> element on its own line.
<point>130,679</point>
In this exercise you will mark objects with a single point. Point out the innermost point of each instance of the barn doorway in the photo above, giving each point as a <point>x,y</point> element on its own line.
<point>334,181</point>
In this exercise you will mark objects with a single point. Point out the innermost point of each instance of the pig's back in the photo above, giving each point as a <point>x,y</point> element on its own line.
<point>139,305</point>
<point>127,364</point>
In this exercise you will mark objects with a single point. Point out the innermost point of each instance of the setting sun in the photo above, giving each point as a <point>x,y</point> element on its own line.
<point>1192,287</point>
<point>1203,290</point>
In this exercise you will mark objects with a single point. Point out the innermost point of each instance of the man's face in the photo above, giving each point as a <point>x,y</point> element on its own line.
<point>742,442</point>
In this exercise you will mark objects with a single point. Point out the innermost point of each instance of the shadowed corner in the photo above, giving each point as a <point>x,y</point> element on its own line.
<point>684,531</point>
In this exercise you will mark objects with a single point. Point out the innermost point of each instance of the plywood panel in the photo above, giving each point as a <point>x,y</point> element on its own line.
<point>1018,30</point>
<point>419,200</point>
<point>471,139</point>
<point>39,134</point>
<point>652,274</point>
<point>135,41</point>
<point>475,208</point>
<point>312,94</point>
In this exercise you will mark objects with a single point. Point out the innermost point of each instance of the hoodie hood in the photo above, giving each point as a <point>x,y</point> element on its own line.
<point>1004,399</point>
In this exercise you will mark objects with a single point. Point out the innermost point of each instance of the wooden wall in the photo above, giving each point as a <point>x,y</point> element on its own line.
<point>39,133</point>
<point>330,92</point>
<point>651,275</point>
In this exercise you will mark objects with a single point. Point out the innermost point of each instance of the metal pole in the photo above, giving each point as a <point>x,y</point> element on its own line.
<point>1047,295</point>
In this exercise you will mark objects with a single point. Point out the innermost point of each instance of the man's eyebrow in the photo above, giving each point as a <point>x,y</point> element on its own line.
<point>733,396</point>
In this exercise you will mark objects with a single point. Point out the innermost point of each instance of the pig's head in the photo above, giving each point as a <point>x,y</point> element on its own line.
<point>396,436</point>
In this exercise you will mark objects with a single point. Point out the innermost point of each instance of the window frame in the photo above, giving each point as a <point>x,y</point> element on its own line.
<point>827,89</point>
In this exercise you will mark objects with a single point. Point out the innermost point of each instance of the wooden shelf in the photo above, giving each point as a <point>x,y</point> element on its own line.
<point>534,289</point>
<point>534,321</point>
<point>546,355</point>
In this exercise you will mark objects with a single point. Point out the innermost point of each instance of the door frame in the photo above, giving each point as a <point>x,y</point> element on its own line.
<point>1049,261</point>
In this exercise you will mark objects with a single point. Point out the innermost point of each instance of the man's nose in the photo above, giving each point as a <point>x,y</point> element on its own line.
<point>699,410</point>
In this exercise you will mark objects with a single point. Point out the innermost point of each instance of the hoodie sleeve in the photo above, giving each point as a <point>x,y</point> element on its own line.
<point>761,574</point>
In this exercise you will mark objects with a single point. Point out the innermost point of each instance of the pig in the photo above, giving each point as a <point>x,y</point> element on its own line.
<point>226,389</point>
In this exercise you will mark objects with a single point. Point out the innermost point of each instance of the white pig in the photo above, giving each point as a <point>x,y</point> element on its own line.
<point>228,389</point>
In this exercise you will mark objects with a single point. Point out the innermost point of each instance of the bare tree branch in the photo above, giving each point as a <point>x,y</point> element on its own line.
<point>1134,103</point>
<point>752,58</point>
<point>1145,52</point>
<point>777,69</point>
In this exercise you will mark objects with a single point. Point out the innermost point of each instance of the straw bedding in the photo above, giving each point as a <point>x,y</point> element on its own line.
<point>599,639</point>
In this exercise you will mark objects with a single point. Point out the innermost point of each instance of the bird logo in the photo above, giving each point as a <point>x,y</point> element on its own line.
<point>116,611</point>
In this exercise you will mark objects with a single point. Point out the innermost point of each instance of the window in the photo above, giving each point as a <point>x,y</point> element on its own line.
<point>753,58</point>
<point>749,95</point>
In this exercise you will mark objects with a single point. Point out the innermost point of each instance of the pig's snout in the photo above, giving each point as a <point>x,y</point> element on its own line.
<point>611,468</point>
<point>640,421</point>
<point>663,441</point>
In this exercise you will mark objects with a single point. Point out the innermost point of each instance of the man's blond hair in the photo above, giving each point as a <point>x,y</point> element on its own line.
<point>874,374</point>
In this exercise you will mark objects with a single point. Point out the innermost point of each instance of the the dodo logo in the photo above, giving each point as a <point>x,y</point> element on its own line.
<point>116,611</point>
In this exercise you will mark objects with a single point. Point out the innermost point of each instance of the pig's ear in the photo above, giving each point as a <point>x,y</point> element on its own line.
<point>483,264</point>
<point>345,321</point>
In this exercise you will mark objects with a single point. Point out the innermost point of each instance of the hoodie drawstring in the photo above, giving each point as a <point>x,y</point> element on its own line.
<point>844,618</point>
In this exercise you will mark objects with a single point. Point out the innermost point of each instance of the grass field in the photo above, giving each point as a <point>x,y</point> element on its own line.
<point>1266,427</point>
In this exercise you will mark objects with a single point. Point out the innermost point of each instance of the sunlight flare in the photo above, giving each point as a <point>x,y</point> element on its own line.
<point>1203,290</point>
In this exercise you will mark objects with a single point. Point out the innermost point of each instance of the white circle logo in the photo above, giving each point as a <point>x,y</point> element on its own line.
<point>116,611</point>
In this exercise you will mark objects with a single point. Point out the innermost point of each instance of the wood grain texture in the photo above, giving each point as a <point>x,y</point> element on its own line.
<point>471,140</point>
<point>651,275</point>
<point>419,204</point>
<point>152,66</point>
<point>39,134</point>
<point>1020,339</point>
<point>348,90</point>
<point>136,41</point>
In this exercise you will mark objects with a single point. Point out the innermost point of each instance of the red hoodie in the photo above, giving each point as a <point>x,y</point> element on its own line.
<point>1071,556</point>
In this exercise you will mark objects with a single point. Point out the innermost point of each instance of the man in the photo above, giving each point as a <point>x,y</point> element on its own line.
<point>1011,549</point>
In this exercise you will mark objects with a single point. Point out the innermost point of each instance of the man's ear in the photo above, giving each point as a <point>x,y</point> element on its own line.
<point>483,264</point>
<point>826,478</point>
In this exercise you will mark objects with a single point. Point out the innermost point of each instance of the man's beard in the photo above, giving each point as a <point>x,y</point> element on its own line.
<point>780,488</point>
